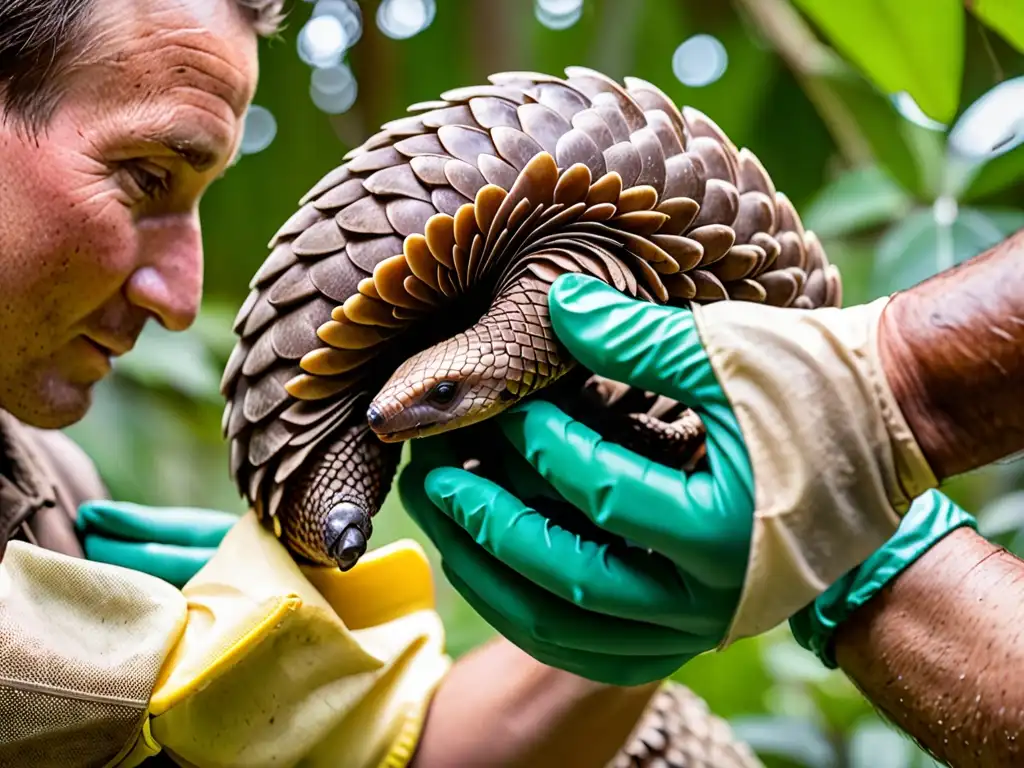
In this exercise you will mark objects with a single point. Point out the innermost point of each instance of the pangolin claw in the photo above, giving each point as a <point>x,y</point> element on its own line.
<point>346,534</point>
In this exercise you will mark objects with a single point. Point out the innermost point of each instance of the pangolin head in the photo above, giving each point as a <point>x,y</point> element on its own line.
<point>441,388</point>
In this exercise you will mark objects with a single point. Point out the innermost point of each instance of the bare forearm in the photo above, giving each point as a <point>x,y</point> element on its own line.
<point>500,707</point>
<point>953,351</point>
<point>941,652</point>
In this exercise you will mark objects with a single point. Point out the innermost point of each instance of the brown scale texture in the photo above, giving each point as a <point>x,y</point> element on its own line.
<point>429,252</point>
<point>677,730</point>
<point>355,467</point>
<point>446,228</point>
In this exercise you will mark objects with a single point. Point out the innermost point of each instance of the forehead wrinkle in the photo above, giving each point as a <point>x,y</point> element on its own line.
<point>155,73</point>
<point>240,89</point>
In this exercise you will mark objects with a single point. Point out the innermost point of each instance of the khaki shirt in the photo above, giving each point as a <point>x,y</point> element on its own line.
<point>44,476</point>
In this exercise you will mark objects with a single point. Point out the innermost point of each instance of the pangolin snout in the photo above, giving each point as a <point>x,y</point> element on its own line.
<point>348,528</point>
<point>375,416</point>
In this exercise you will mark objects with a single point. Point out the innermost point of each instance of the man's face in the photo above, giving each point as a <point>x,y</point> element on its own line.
<point>99,229</point>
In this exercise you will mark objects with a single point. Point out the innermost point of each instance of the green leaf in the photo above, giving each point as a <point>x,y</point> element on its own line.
<point>908,45</point>
<point>1004,16</point>
<point>799,741</point>
<point>873,744</point>
<point>986,145</point>
<point>922,245</point>
<point>787,662</point>
<point>996,175</point>
<point>857,200</point>
<point>178,361</point>
<point>884,129</point>
<point>1002,517</point>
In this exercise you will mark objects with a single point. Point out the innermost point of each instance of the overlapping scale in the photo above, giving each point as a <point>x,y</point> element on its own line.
<point>524,178</point>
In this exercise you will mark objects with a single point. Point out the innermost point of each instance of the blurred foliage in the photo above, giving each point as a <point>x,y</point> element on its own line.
<point>847,107</point>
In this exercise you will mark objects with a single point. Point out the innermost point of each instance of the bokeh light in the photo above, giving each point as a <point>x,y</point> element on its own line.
<point>401,19</point>
<point>333,28</point>
<point>259,130</point>
<point>345,11</point>
<point>322,41</point>
<point>907,107</point>
<point>992,125</point>
<point>700,61</point>
<point>558,14</point>
<point>333,89</point>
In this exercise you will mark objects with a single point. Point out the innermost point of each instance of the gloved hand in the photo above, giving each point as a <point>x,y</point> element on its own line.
<point>811,467</point>
<point>282,664</point>
<point>171,543</point>
<point>256,662</point>
<point>602,609</point>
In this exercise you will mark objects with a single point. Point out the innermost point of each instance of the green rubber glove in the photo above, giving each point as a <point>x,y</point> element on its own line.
<point>931,517</point>
<point>171,543</point>
<point>594,605</point>
<point>810,467</point>
<point>590,604</point>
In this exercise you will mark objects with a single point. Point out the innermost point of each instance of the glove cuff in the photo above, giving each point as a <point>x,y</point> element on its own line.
<point>834,464</point>
<point>931,517</point>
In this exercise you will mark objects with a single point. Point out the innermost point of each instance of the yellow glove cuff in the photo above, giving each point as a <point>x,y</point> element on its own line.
<point>281,664</point>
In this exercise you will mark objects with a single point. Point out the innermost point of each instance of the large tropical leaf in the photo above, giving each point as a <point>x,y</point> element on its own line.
<point>910,45</point>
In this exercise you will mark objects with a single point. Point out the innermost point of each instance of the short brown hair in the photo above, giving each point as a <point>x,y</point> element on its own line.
<point>38,43</point>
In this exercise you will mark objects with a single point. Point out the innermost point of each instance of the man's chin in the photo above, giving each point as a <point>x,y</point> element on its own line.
<point>54,405</point>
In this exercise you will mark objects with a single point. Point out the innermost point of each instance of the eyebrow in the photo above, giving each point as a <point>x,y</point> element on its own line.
<point>200,154</point>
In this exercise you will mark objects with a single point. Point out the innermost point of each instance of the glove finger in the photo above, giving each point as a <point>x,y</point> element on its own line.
<point>609,669</point>
<point>170,562</point>
<point>541,614</point>
<point>650,346</point>
<point>184,526</point>
<point>613,580</point>
<point>411,480</point>
<point>657,507</point>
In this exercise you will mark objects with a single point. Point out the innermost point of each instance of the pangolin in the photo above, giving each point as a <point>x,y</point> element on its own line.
<point>407,296</point>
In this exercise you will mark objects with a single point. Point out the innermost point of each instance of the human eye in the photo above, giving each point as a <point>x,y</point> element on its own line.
<point>146,179</point>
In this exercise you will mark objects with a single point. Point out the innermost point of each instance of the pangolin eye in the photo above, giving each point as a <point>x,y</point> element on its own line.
<point>442,393</point>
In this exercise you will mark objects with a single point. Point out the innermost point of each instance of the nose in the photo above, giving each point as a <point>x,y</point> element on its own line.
<point>375,416</point>
<point>168,282</point>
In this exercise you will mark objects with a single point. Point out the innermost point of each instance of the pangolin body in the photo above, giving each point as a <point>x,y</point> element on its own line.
<point>408,295</point>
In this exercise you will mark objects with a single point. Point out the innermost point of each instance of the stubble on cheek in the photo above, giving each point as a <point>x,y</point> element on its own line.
<point>65,242</point>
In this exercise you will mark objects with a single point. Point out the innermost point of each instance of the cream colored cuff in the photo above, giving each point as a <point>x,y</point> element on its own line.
<point>81,647</point>
<point>835,464</point>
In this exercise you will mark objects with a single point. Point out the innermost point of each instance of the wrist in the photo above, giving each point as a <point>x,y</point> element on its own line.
<point>526,714</point>
<point>935,650</point>
<point>929,520</point>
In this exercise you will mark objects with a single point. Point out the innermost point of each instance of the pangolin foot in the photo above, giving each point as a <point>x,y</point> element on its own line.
<point>346,534</point>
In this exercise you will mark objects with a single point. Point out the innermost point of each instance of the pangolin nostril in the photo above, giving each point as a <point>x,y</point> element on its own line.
<point>375,416</point>
<point>345,534</point>
<point>349,548</point>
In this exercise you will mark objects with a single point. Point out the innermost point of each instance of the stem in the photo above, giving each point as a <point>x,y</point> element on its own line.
<point>809,60</point>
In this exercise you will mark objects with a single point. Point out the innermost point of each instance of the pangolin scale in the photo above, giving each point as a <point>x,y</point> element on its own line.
<point>408,293</point>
